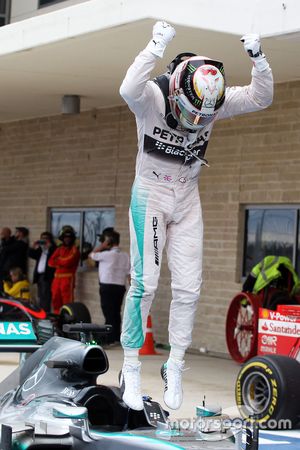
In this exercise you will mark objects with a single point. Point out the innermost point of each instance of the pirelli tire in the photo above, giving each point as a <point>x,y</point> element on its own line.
<point>268,390</point>
<point>74,313</point>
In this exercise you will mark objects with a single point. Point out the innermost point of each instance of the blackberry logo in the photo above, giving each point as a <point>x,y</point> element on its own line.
<point>155,240</point>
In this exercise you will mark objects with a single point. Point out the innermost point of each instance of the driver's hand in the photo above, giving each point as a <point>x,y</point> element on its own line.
<point>162,33</point>
<point>252,46</point>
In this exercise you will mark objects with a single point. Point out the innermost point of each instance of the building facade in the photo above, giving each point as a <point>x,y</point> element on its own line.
<point>80,168</point>
<point>21,9</point>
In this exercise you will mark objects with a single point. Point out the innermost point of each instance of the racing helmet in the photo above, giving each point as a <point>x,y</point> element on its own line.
<point>196,91</point>
<point>67,230</point>
<point>177,60</point>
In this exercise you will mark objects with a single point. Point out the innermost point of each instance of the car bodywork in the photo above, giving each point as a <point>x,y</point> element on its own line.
<point>52,401</point>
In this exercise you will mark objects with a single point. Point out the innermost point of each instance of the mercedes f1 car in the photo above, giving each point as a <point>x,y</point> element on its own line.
<point>44,325</point>
<point>52,401</point>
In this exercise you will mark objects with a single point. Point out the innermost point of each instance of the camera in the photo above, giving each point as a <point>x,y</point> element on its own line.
<point>41,241</point>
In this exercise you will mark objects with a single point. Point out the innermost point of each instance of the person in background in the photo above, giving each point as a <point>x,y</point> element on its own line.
<point>106,232</point>
<point>22,234</point>
<point>43,274</point>
<point>64,260</point>
<point>18,286</point>
<point>114,271</point>
<point>22,245</point>
<point>7,254</point>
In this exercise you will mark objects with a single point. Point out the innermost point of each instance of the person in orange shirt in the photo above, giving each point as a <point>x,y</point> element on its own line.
<point>65,260</point>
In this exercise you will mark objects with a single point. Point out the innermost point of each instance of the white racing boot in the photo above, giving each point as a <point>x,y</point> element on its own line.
<point>130,381</point>
<point>171,373</point>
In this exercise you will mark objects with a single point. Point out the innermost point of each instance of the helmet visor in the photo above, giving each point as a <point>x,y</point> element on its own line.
<point>184,110</point>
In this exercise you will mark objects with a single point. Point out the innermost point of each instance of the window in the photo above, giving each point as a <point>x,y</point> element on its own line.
<point>271,231</point>
<point>87,223</point>
<point>49,2</point>
<point>4,12</point>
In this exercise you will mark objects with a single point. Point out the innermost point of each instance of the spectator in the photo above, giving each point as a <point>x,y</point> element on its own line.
<point>114,268</point>
<point>22,245</point>
<point>106,232</point>
<point>43,274</point>
<point>8,254</point>
<point>65,261</point>
<point>22,234</point>
<point>18,286</point>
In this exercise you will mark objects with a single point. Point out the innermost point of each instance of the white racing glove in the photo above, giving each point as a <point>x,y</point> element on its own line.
<point>253,48</point>
<point>162,33</point>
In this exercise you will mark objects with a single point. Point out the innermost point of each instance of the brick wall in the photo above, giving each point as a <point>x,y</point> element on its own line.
<point>88,160</point>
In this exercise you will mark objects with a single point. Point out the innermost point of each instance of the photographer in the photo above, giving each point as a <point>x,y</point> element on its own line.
<point>114,268</point>
<point>43,274</point>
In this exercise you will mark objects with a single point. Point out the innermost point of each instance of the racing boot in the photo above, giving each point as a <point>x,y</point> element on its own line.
<point>171,373</point>
<point>130,383</point>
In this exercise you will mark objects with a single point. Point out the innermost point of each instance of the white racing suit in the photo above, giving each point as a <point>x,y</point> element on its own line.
<point>165,206</point>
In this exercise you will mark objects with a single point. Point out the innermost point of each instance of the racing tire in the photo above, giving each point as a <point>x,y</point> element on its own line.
<point>268,390</point>
<point>74,313</point>
<point>242,326</point>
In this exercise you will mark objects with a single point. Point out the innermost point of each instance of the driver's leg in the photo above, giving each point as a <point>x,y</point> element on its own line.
<point>147,234</point>
<point>184,250</point>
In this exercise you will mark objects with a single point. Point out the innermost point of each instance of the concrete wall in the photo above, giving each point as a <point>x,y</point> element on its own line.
<point>88,160</point>
<point>21,9</point>
<point>266,17</point>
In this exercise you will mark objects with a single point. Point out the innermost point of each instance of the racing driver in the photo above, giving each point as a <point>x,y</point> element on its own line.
<point>175,114</point>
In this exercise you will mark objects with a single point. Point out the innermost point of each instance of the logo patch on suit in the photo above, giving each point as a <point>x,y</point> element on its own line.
<point>169,146</point>
<point>155,240</point>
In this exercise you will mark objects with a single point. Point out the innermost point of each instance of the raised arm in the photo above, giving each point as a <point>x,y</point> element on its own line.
<point>259,93</point>
<point>134,88</point>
